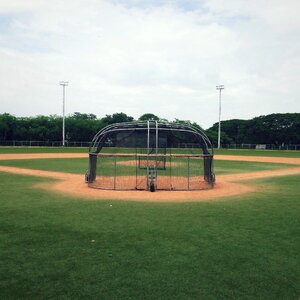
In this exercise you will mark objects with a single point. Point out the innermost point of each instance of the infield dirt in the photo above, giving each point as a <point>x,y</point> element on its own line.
<point>226,185</point>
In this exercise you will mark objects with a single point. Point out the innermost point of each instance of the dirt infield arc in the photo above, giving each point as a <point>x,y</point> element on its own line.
<point>226,185</point>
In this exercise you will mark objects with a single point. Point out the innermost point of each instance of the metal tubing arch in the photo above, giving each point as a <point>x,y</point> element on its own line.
<point>158,126</point>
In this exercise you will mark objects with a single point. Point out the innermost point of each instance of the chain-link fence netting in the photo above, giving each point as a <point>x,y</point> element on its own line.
<point>150,156</point>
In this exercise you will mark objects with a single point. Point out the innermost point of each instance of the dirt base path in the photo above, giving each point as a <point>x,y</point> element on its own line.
<point>226,185</point>
<point>283,160</point>
<point>74,185</point>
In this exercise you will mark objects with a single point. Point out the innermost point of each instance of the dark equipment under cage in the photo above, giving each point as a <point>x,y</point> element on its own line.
<point>150,156</point>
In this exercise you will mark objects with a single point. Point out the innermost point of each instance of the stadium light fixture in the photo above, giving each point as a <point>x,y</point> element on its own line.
<point>220,88</point>
<point>63,84</point>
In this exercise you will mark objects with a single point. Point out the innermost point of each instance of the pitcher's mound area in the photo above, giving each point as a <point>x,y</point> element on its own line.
<point>75,186</point>
<point>226,185</point>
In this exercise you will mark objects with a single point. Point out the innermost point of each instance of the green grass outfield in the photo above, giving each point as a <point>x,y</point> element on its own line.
<point>4,150</point>
<point>55,246</point>
<point>80,166</point>
<point>272,153</point>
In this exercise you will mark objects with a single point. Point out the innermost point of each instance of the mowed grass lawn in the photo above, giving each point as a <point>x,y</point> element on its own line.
<point>55,246</point>
<point>244,152</point>
<point>80,166</point>
<point>16,150</point>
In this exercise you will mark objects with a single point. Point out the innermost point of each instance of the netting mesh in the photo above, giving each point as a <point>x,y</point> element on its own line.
<point>141,156</point>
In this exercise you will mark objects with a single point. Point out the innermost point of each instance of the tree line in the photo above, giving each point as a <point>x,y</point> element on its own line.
<point>275,129</point>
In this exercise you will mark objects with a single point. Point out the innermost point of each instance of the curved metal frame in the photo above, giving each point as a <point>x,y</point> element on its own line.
<point>204,144</point>
<point>142,126</point>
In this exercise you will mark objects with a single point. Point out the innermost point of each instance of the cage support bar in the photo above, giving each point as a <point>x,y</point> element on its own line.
<point>115,172</point>
<point>188,173</point>
<point>148,151</point>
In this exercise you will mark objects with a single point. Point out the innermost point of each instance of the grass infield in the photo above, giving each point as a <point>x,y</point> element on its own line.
<point>80,166</point>
<point>55,246</point>
<point>4,150</point>
<point>52,246</point>
<point>271,153</point>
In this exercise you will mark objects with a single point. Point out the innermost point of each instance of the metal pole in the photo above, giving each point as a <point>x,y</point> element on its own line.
<point>170,170</point>
<point>63,84</point>
<point>220,88</point>
<point>115,172</point>
<point>188,173</point>
<point>63,129</point>
<point>156,135</point>
<point>156,146</point>
<point>148,137</point>
<point>219,131</point>
<point>136,168</point>
<point>148,146</point>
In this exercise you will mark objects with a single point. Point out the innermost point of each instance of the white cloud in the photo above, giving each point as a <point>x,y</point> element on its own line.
<point>165,57</point>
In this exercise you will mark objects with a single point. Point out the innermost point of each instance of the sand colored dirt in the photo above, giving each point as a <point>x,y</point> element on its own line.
<point>282,160</point>
<point>140,183</point>
<point>226,185</point>
<point>74,185</point>
<point>133,163</point>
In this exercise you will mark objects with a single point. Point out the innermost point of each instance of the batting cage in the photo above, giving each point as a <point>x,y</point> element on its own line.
<point>150,156</point>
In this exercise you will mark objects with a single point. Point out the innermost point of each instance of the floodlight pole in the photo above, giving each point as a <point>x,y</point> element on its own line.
<point>63,84</point>
<point>220,88</point>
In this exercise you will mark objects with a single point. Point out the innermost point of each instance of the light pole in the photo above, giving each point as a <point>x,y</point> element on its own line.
<point>64,84</point>
<point>220,88</point>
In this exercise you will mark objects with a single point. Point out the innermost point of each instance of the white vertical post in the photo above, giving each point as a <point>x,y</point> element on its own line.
<point>63,127</point>
<point>148,138</point>
<point>148,148</point>
<point>63,84</point>
<point>220,88</point>
<point>156,146</point>
<point>156,135</point>
<point>188,173</point>
<point>115,172</point>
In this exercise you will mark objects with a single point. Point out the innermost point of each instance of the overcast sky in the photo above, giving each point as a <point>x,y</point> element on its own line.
<point>163,57</point>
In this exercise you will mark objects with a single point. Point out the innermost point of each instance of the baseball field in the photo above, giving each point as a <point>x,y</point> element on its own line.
<point>61,239</point>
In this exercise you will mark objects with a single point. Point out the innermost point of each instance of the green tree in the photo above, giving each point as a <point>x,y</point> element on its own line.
<point>232,130</point>
<point>189,123</point>
<point>116,118</point>
<point>7,126</point>
<point>213,137</point>
<point>149,116</point>
<point>270,129</point>
<point>82,128</point>
<point>78,115</point>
